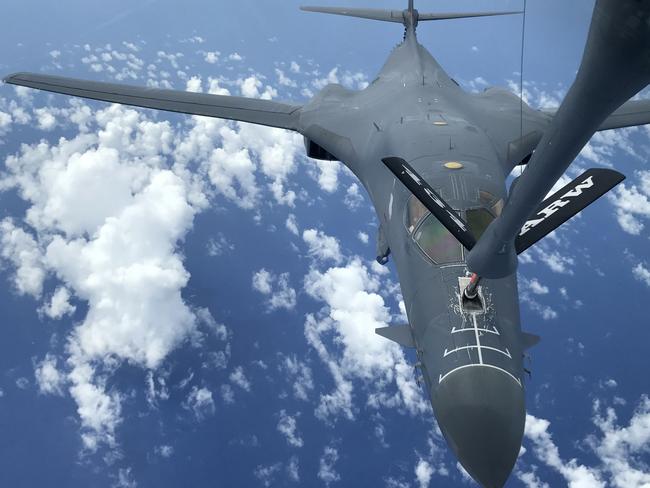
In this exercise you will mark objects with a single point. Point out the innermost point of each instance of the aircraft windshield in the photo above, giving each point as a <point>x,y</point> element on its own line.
<point>490,201</point>
<point>435,240</point>
<point>431,236</point>
<point>415,213</point>
<point>478,219</point>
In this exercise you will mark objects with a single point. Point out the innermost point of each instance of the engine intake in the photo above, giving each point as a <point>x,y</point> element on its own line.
<point>316,152</point>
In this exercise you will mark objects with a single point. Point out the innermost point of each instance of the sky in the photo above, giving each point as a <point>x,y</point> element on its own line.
<point>189,301</point>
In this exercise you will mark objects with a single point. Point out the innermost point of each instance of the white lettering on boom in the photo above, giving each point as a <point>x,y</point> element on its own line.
<point>556,205</point>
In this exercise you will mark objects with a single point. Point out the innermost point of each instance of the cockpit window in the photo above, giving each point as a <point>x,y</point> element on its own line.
<point>478,219</point>
<point>488,200</point>
<point>430,235</point>
<point>497,207</point>
<point>415,213</point>
<point>436,242</point>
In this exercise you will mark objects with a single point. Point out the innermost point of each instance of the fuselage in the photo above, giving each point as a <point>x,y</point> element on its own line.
<point>470,357</point>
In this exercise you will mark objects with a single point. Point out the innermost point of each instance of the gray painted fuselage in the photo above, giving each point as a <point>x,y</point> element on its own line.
<point>471,362</point>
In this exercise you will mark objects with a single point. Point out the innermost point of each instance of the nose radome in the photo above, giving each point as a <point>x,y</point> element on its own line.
<point>481,413</point>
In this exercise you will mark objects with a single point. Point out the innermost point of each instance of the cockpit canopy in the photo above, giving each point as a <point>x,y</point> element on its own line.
<point>435,241</point>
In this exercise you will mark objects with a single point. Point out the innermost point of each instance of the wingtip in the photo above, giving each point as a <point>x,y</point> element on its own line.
<point>12,78</point>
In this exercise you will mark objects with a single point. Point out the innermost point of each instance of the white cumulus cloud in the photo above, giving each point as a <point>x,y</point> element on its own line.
<point>545,449</point>
<point>287,426</point>
<point>300,376</point>
<point>59,305</point>
<point>200,402</point>
<point>641,273</point>
<point>423,473</point>
<point>48,377</point>
<point>276,288</point>
<point>22,251</point>
<point>327,466</point>
<point>238,377</point>
<point>107,215</point>
<point>353,310</point>
<point>632,203</point>
<point>321,246</point>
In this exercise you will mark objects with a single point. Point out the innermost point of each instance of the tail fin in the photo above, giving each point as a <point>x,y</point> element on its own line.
<point>400,16</point>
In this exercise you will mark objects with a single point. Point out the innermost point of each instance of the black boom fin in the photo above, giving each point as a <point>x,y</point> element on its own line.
<point>565,203</point>
<point>431,200</point>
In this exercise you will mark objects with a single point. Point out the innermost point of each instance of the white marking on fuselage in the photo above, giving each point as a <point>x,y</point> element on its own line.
<point>441,378</point>
<point>478,340</point>
<point>477,332</point>
<point>494,330</point>
<point>488,348</point>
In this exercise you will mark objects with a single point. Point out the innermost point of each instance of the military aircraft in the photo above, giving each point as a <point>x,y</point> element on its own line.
<point>435,160</point>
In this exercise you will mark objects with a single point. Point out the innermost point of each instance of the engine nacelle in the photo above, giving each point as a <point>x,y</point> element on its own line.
<point>316,152</point>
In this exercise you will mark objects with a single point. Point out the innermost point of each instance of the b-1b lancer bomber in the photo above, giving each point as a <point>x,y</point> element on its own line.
<point>434,160</point>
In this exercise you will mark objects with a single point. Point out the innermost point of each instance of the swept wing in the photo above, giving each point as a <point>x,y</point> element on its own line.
<point>262,112</point>
<point>631,113</point>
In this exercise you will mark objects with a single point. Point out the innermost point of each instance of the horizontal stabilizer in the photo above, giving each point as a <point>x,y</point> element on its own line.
<point>397,333</point>
<point>565,203</point>
<point>431,200</point>
<point>362,13</point>
<point>262,112</point>
<point>400,16</point>
<point>529,340</point>
<point>461,15</point>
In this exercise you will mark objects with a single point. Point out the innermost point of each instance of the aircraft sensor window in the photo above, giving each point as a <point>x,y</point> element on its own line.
<point>437,242</point>
<point>478,219</point>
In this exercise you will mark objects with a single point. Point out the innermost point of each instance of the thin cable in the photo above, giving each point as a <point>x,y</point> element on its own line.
<point>521,80</point>
<point>521,74</point>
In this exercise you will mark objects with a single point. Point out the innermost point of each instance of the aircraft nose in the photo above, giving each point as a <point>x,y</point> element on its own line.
<point>481,413</point>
